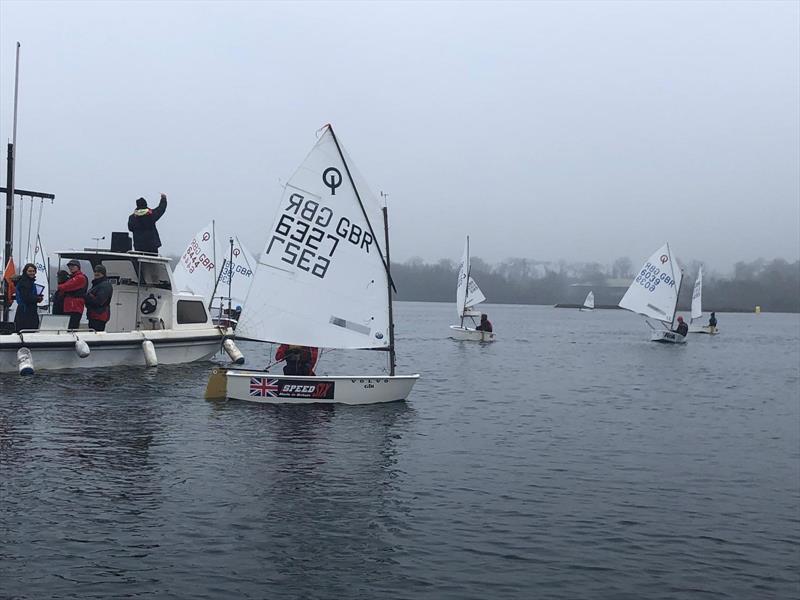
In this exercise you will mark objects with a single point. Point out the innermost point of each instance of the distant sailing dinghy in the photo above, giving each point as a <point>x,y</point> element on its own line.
<point>468,296</point>
<point>588,304</point>
<point>697,307</point>
<point>654,294</point>
<point>323,280</point>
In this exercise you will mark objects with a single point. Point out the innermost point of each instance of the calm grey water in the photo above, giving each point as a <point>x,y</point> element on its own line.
<point>571,459</point>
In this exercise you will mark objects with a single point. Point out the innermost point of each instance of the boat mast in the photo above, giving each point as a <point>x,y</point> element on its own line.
<point>10,190</point>
<point>230,276</point>
<point>678,295</point>
<point>389,293</point>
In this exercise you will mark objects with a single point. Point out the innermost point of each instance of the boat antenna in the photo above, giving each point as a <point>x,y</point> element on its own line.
<point>363,210</point>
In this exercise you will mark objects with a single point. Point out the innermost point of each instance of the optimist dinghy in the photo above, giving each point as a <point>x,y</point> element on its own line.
<point>323,280</point>
<point>468,296</point>
<point>654,294</point>
<point>588,304</point>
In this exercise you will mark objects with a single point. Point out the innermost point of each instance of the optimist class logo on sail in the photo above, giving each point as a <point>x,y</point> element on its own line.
<point>308,232</point>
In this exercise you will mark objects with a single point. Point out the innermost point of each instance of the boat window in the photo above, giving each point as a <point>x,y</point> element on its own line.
<point>191,311</point>
<point>120,270</point>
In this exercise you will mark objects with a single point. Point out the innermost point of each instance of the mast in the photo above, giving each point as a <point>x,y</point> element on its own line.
<point>230,276</point>
<point>10,189</point>
<point>389,293</point>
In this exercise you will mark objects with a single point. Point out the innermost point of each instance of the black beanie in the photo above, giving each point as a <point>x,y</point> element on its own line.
<point>141,203</point>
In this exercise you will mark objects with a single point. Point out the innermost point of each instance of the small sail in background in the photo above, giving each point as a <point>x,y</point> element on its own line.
<point>196,271</point>
<point>697,296</point>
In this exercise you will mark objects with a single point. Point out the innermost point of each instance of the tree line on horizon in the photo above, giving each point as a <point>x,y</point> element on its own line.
<point>773,285</point>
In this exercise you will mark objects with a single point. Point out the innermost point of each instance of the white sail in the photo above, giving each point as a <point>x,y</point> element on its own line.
<point>42,271</point>
<point>697,296</point>
<point>321,279</point>
<point>236,275</point>
<point>589,302</point>
<point>474,294</point>
<point>196,271</point>
<point>468,293</point>
<point>654,291</point>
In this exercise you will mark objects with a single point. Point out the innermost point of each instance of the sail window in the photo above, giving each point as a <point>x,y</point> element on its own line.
<point>191,311</point>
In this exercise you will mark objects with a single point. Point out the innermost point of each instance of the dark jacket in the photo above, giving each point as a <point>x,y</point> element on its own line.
<point>712,321</point>
<point>98,299</point>
<point>27,315</point>
<point>682,328</point>
<point>484,326</point>
<point>143,225</point>
<point>74,291</point>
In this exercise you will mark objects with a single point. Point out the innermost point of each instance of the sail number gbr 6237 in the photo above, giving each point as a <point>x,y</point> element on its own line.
<point>307,234</point>
<point>651,276</point>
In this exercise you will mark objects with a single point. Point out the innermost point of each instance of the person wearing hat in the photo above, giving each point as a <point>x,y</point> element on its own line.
<point>98,299</point>
<point>73,290</point>
<point>142,223</point>
<point>682,327</point>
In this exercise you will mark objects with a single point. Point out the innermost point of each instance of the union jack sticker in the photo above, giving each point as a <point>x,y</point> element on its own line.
<point>263,387</point>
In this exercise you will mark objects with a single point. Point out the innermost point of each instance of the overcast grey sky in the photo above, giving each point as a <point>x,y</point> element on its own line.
<point>582,131</point>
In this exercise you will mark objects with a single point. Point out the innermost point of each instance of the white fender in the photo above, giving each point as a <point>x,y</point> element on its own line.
<point>81,348</point>
<point>150,358</point>
<point>233,352</point>
<point>25,361</point>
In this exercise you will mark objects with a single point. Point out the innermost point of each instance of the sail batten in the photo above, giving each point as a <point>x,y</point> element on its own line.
<point>654,291</point>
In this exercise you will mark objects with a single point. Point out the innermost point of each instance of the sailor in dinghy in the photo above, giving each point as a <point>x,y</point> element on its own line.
<point>323,281</point>
<point>468,296</point>
<point>654,294</point>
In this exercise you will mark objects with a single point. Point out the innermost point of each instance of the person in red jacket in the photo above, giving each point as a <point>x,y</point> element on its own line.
<point>300,360</point>
<point>73,291</point>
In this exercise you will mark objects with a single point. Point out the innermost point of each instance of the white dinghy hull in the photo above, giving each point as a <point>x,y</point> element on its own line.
<point>471,335</point>
<point>667,337</point>
<point>702,329</point>
<point>267,388</point>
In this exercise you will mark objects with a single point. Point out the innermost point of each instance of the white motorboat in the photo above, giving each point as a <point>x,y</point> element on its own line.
<point>149,324</point>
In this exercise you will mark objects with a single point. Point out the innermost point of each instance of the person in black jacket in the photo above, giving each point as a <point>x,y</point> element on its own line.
<point>682,327</point>
<point>712,323</point>
<point>98,300</point>
<point>58,299</point>
<point>27,315</point>
<point>485,324</point>
<point>143,225</point>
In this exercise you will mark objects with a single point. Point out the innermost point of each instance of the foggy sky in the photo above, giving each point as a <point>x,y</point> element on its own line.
<point>577,131</point>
